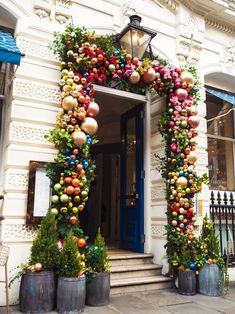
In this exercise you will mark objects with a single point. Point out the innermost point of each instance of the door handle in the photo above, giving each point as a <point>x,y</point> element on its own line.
<point>1,197</point>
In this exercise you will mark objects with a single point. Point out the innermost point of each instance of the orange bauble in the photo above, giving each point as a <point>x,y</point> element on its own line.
<point>81,242</point>
<point>75,182</point>
<point>70,190</point>
<point>73,220</point>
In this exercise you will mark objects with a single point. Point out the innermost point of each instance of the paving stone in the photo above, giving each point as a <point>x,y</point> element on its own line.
<point>101,310</point>
<point>129,304</point>
<point>192,309</point>
<point>229,311</point>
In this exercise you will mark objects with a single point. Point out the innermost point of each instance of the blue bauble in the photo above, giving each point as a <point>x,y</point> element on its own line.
<point>192,266</point>
<point>116,52</point>
<point>67,150</point>
<point>85,74</point>
<point>122,59</point>
<point>181,173</point>
<point>76,162</point>
<point>88,139</point>
<point>186,174</point>
<point>66,171</point>
<point>88,90</point>
<point>122,65</point>
<point>85,164</point>
<point>68,159</point>
<point>72,163</point>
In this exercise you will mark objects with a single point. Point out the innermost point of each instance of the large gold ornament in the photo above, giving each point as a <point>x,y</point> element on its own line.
<point>181,181</point>
<point>79,138</point>
<point>69,103</point>
<point>90,126</point>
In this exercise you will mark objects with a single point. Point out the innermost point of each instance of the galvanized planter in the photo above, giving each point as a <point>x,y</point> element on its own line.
<point>187,282</point>
<point>37,292</point>
<point>98,290</point>
<point>211,280</point>
<point>71,294</point>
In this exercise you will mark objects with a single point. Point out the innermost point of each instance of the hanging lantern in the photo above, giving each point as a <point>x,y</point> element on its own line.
<point>134,38</point>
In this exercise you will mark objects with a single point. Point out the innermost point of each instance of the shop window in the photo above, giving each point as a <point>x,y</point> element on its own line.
<point>221,143</point>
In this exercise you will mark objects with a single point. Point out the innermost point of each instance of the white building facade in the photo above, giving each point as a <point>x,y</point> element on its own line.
<point>33,100</point>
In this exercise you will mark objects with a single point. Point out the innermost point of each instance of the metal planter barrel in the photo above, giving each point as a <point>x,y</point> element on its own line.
<point>98,290</point>
<point>211,280</point>
<point>71,294</point>
<point>37,292</point>
<point>187,282</point>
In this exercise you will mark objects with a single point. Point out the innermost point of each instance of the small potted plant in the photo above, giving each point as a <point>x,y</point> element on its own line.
<point>38,283</point>
<point>213,277</point>
<point>98,273</point>
<point>185,262</point>
<point>71,289</point>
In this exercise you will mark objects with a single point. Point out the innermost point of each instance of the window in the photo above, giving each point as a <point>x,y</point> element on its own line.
<point>221,143</point>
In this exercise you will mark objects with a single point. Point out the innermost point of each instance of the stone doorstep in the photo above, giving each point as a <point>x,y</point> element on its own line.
<point>120,286</point>
<point>130,271</point>
<point>130,259</point>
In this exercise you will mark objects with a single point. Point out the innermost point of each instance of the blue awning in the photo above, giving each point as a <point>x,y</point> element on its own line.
<point>222,95</point>
<point>9,52</point>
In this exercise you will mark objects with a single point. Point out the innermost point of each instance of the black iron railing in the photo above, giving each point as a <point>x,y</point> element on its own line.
<point>222,212</point>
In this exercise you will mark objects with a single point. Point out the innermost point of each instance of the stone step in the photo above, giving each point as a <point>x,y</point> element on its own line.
<point>120,286</point>
<point>135,271</point>
<point>130,259</point>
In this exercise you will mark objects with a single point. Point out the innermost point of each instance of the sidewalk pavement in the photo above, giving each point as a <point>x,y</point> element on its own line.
<point>166,301</point>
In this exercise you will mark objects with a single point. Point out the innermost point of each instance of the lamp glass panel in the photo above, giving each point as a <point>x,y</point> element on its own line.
<point>135,42</point>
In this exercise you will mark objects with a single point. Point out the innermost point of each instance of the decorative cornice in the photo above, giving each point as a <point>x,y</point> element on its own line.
<point>220,26</point>
<point>202,10</point>
<point>171,4</point>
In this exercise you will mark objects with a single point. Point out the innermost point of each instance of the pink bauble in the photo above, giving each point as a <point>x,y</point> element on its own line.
<point>149,75</point>
<point>79,138</point>
<point>38,267</point>
<point>173,147</point>
<point>93,109</point>
<point>193,121</point>
<point>69,103</point>
<point>174,223</point>
<point>90,126</point>
<point>135,77</point>
<point>171,124</point>
<point>192,157</point>
<point>181,93</point>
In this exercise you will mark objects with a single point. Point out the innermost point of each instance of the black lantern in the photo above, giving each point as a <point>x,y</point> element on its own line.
<point>134,38</point>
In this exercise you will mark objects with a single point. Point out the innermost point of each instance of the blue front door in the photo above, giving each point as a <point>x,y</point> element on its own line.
<point>132,185</point>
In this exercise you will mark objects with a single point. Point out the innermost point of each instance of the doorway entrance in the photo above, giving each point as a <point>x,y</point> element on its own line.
<point>116,201</point>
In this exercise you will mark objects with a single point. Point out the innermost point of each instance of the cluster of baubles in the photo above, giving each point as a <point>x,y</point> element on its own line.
<point>181,123</point>
<point>85,64</point>
<point>76,121</point>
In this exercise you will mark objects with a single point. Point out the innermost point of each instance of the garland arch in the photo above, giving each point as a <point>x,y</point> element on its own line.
<point>86,60</point>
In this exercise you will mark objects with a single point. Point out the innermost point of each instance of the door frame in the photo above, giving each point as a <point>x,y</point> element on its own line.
<point>146,101</point>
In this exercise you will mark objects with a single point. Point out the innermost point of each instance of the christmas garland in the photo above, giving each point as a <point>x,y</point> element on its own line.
<point>86,60</point>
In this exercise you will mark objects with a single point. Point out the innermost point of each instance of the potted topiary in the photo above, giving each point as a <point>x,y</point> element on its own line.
<point>38,283</point>
<point>213,277</point>
<point>71,289</point>
<point>98,273</point>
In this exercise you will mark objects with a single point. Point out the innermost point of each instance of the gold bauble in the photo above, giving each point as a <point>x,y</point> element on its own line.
<point>187,77</point>
<point>90,126</point>
<point>134,78</point>
<point>192,157</point>
<point>79,138</point>
<point>174,223</point>
<point>193,121</point>
<point>69,103</point>
<point>181,182</point>
<point>193,110</point>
